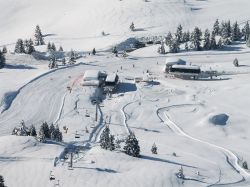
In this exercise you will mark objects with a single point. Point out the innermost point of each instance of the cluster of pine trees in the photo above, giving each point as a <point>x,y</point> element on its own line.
<point>51,132</point>
<point>2,181</point>
<point>51,46</point>
<point>26,46</point>
<point>23,130</point>
<point>225,32</point>
<point>107,141</point>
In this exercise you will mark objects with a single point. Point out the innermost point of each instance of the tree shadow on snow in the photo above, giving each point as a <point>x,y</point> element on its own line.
<point>165,161</point>
<point>97,169</point>
<point>10,66</point>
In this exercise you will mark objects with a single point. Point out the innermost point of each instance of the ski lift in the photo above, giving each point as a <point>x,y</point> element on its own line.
<point>52,177</point>
<point>77,135</point>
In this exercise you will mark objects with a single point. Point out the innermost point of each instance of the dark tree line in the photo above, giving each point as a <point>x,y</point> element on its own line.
<point>2,60</point>
<point>26,46</point>
<point>225,32</point>
<point>51,132</point>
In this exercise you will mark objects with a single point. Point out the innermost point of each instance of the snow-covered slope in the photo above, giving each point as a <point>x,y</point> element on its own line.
<point>78,24</point>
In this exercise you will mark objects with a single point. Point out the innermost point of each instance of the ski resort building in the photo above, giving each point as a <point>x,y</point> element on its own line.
<point>93,78</point>
<point>173,61</point>
<point>111,82</point>
<point>185,71</point>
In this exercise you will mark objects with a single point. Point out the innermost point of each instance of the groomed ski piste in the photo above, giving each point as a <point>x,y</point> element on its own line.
<point>174,114</point>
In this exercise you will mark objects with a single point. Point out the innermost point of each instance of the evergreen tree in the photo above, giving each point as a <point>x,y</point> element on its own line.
<point>49,46</point>
<point>2,60</point>
<point>206,44</point>
<point>132,147</point>
<point>174,46</point>
<point>52,131</point>
<point>105,138</point>
<point>4,50</point>
<point>28,46</point>
<point>179,34</point>
<point>57,135</point>
<point>244,165</point>
<point>44,130</point>
<point>236,33</point>
<point>186,36</point>
<point>93,51</point>
<point>186,46</point>
<point>154,149</point>
<point>1,181</point>
<point>248,42</point>
<point>216,27</point>
<point>196,39</point>
<point>38,36</point>
<point>236,62</point>
<point>161,49</point>
<point>111,143</point>
<point>53,47</point>
<point>246,31</point>
<point>33,131</point>
<point>19,48</point>
<point>60,49</point>
<point>213,44</point>
<point>220,44</point>
<point>132,27</point>
<point>168,39</point>
<point>115,51</point>
<point>71,57</point>
<point>226,30</point>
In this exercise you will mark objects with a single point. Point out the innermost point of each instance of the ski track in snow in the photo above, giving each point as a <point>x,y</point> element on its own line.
<point>231,158</point>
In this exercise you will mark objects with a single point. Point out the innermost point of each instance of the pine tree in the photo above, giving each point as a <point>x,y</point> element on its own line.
<point>52,131</point>
<point>226,30</point>
<point>53,47</point>
<point>19,48</point>
<point>4,50</point>
<point>33,131</point>
<point>179,34</point>
<point>220,44</point>
<point>186,46</point>
<point>196,39</point>
<point>132,27</point>
<point>71,57</point>
<point>38,36</point>
<point>44,130</point>
<point>28,46</point>
<point>93,51</point>
<point>216,27</point>
<point>49,46</point>
<point>161,49</point>
<point>1,181</point>
<point>186,36</point>
<point>246,31</point>
<point>206,44</point>
<point>132,147</point>
<point>2,60</point>
<point>174,46</point>
<point>60,49</point>
<point>154,149</point>
<point>213,44</point>
<point>57,135</point>
<point>244,165</point>
<point>111,143</point>
<point>236,62</point>
<point>115,51</point>
<point>105,138</point>
<point>248,42</point>
<point>236,33</point>
<point>168,39</point>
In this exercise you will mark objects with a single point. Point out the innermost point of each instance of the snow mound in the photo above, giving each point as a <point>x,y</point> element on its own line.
<point>220,119</point>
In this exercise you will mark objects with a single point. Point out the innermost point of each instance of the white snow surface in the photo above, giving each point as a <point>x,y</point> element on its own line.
<point>172,113</point>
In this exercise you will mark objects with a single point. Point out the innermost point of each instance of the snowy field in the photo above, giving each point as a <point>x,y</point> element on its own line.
<point>204,122</point>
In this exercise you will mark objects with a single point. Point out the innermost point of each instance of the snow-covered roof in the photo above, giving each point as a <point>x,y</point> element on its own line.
<point>186,67</point>
<point>173,60</point>
<point>91,75</point>
<point>111,77</point>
